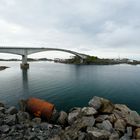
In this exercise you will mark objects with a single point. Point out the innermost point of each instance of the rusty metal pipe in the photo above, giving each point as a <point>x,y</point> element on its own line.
<point>40,108</point>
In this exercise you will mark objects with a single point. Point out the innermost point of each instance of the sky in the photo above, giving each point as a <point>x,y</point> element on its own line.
<point>103,28</point>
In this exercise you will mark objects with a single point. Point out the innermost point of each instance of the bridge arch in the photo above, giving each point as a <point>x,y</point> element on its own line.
<point>24,52</point>
<point>55,49</point>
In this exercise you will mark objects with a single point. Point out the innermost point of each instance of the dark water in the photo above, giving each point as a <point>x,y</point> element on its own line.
<point>70,85</point>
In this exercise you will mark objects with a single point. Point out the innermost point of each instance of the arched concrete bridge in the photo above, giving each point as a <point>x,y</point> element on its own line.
<point>24,52</point>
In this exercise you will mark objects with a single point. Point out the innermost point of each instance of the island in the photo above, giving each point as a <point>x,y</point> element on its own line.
<point>94,60</point>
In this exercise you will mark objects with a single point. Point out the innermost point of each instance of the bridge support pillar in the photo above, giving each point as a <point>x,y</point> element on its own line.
<point>81,61</point>
<point>24,64</point>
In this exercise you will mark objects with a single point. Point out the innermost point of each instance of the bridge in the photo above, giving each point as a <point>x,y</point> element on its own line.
<point>25,51</point>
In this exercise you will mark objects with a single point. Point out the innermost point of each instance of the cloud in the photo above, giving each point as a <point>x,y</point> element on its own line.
<point>99,27</point>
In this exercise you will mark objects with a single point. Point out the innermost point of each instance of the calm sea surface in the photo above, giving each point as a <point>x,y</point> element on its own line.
<point>70,85</point>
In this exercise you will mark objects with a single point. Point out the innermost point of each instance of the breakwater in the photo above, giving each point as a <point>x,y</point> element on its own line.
<point>100,120</point>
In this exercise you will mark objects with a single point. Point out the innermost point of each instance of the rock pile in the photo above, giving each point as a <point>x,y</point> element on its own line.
<point>101,120</point>
<point>20,125</point>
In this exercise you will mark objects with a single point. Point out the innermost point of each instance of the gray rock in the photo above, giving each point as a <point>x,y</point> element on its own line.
<point>101,104</point>
<point>114,136</point>
<point>23,117</point>
<point>106,125</point>
<point>129,131</point>
<point>125,137</point>
<point>120,125</point>
<point>40,138</point>
<point>112,118</point>
<point>123,112</point>
<point>74,131</point>
<point>87,111</point>
<point>11,119</point>
<point>4,128</point>
<point>82,136</point>
<point>96,134</point>
<point>123,108</point>
<point>132,119</point>
<point>19,126</point>
<point>99,125</point>
<point>36,120</point>
<point>62,118</point>
<point>87,121</point>
<point>54,116</point>
<point>95,102</point>
<point>101,118</point>
<point>81,124</point>
<point>74,115</point>
<point>45,126</point>
<point>12,110</point>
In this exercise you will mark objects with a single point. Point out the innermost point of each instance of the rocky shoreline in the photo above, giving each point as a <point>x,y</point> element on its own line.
<point>100,120</point>
<point>3,67</point>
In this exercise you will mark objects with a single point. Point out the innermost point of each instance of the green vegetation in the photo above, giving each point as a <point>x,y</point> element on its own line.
<point>91,59</point>
<point>97,61</point>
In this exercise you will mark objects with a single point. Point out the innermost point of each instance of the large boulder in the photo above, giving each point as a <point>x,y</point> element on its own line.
<point>137,133</point>
<point>54,116</point>
<point>87,111</point>
<point>114,136</point>
<point>125,137</point>
<point>123,112</point>
<point>101,118</point>
<point>97,134</point>
<point>95,102</point>
<point>62,118</point>
<point>74,115</point>
<point>112,118</point>
<point>105,125</point>
<point>120,125</point>
<point>85,122</point>
<point>101,104</point>
<point>133,119</point>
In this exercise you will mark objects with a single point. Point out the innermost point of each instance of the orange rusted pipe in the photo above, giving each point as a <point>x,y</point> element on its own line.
<point>40,108</point>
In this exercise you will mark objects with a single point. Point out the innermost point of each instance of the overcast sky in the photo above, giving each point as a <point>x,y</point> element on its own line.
<point>105,28</point>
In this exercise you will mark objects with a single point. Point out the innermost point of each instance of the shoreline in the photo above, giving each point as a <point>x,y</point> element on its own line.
<point>100,120</point>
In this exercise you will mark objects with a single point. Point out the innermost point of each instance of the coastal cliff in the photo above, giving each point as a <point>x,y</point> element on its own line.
<point>100,120</point>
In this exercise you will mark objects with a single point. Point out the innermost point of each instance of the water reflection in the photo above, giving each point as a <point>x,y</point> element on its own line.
<point>25,80</point>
